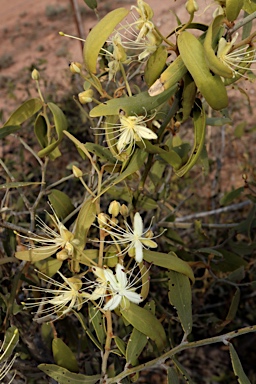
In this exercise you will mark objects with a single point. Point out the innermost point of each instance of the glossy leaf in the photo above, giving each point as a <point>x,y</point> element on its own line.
<point>199,119</point>
<point>101,152</point>
<point>237,366</point>
<point>188,96</point>
<point>249,6</point>
<point>121,345</point>
<point>63,356</point>
<point>145,322</point>
<point>24,112</point>
<point>171,157</point>
<point>81,319</point>
<point>61,203</point>
<point>98,36</point>
<point>63,376</point>
<point>134,105</point>
<point>169,261</point>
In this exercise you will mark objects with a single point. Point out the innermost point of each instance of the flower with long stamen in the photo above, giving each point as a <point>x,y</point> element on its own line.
<point>143,23</point>
<point>65,297</point>
<point>53,241</point>
<point>131,130</point>
<point>5,369</point>
<point>121,289</point>
<point>236,59</point>
<point>134,239</point>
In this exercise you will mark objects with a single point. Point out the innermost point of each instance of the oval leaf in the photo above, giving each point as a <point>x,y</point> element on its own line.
<point>169,261</point>
<point>61,203</point>
<point>63,376</point>
<point>180,296</point>
<point>24,112</point>
<point>145,322</point>
<point>98,36</point>
<point>63,355</point>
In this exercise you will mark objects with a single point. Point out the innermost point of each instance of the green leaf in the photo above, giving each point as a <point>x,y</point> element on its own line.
<point>49,267</point>
<point>237,366</point>
<point>92,4</point>
<point>86,217</point>
<point>137,160</point>
<point>155,65</point>
<point>230,262</point>
<point>121,345</point>
<point>218,121</point>
<point>180,296</point>
<point>24,112</point>
<point>169,261</point>
<point>61,203</point>
<point>101,152</point>
<point>7,130</point>
<point>183,371</point>
<point>98,36</point>
<point>40,130</point>
<point>63,355</point>
<point>136,343</point>
<point>81,319</point>
<point>171,157</point>
<point>97,321</point>
<point>145,322</point>
<point>18,184</point>
<point>60,123</point>
<point>230,196</point>
<point>199,119</point>
<point>63,376</point>
<point>249,6</point>
<point>11,339</point>
<point>134,105</point>
<point>172,376</point>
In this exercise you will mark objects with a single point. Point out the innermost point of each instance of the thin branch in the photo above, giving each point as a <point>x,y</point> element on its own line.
<point>182,347</point>
<point>241,23</point>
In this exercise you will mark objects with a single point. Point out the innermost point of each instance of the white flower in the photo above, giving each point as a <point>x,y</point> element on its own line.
<point>134,239</point>
<point>64,298</point>
<point>53,241</point>
<point>235,59</point>
<point>120,288</point>
<point>130,130</point>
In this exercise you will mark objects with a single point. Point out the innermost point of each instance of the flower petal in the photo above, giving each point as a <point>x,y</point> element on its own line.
<point>113,303</point>
<point>138,251</point>
<point>138,224</point>
<point>121,276</point>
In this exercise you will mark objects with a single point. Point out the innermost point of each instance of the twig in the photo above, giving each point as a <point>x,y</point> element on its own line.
<point>183,346</point>
<point>232,207</point>
<point>241,23</point>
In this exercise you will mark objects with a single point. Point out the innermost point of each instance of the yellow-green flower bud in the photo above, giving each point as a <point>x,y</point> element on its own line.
<point>114,208</point>
<point>85,96</point>
<point>149,234</point>
<point>114,222</point>
<point>62,255</point>
<point>35,74</point>
<point>191,6</point>
<point>75,67</point>
<point>124,210</point>
<point>103,220</point>
<point>77,172</point>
